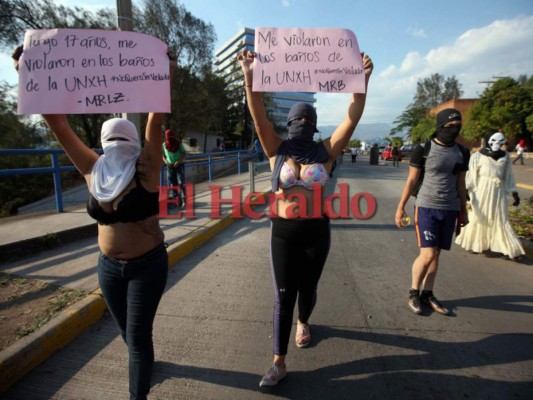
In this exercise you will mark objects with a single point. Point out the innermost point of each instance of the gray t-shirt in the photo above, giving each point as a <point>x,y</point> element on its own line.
<point>442,166</point>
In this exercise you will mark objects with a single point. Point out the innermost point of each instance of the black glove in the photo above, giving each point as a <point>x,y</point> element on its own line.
<point>516,199</point>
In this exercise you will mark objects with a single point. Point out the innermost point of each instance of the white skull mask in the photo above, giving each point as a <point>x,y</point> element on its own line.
<point>496,141</point>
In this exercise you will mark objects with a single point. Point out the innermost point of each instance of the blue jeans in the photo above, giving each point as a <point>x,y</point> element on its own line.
<point>176,177</point>
<point>132,290</point>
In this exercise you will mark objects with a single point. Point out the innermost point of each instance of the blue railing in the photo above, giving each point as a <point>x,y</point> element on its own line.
<point>209,159</point>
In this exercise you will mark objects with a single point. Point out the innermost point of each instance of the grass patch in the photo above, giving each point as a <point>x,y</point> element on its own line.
<point>58,301</point>
<point>522,219</point>
<point>27,304</point>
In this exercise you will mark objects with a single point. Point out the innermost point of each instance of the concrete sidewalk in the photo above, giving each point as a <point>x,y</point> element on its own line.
<point>213,330</point>
<point>73,264</point>
<point>72,261</point>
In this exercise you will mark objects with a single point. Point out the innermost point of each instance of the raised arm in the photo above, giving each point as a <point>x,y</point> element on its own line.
<point>79,153</point>
<point>340,137</point>
<point>270,141</point>
<point>153,143</point>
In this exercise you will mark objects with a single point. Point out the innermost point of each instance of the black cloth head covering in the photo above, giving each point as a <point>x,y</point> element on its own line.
<point>448,115</point>
<point>300,145</point>
<point>487,151</point>
<point>300,110</point>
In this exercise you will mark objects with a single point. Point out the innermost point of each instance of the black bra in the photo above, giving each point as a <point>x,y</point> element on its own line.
<point>136,205</point>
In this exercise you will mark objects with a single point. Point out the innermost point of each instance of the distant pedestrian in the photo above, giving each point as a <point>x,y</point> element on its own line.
<point>489,180</point>
<point>222,146</point>
<point>395,153</point>
<point>174,156</point>
<point>439,202</point>
<point>259,150</point>
<point>354,154</point>
<point>520,148</point>
<point>300,239</point>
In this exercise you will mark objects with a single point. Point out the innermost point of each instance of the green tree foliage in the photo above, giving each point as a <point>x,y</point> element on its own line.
<point>396,141</point>
<point>198,104</point>
<point>430,92</point>
<point>423,130</point>
<point>506,105</point>
<point>199,99</point>
<point>191,39</point>
<point>18,133</point>
<point>19,15</point>
<point>354,143</point>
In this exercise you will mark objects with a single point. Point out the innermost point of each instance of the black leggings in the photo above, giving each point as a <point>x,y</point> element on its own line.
<point>298,250</point>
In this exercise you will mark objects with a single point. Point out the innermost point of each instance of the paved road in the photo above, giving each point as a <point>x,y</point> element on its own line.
<point>213,336</point>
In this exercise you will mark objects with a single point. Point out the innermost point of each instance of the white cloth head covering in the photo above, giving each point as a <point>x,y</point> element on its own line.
<point>114,170</point>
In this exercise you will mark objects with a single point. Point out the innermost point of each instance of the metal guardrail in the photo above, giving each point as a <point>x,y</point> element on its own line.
<point>209,159</point>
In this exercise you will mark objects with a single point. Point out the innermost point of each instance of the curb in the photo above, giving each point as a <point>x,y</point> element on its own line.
<point>17,250</point>
<point>27,353</point>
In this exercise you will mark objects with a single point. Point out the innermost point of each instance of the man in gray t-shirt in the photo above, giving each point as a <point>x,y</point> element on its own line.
<point>440,200</point>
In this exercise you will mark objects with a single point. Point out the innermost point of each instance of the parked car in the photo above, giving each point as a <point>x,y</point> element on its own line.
<point>387,154</point>
<point>408,149</point>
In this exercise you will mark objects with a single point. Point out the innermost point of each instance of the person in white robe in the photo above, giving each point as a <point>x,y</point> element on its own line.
<point>489,180</point>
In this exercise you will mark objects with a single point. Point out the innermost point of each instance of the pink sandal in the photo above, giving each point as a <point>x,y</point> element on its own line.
<point>303,335</point>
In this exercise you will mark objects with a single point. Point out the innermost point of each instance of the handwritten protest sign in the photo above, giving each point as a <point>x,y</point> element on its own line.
<point>84,71</point>
<point>307,60</point>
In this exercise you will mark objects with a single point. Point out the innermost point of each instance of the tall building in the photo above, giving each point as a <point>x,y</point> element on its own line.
<point>277,103</point>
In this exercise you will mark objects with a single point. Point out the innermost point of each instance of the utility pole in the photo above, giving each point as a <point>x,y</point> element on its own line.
<point>125,23</point>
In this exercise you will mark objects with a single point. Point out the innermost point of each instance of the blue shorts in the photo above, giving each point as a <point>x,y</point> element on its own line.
<point>435,228</point>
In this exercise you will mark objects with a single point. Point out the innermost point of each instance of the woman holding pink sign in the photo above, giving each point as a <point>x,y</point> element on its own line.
<point>124,200</point>
<point>300,236</point>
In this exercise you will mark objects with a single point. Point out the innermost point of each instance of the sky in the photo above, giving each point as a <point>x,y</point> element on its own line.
<point>408,40</point>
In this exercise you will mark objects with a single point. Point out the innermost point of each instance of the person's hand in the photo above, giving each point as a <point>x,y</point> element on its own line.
<point>368,65</point>
<point>516,199</point>
<point>16,56</point>
<point>246,60</point>
<point>400,213</point>
<point>464,219</point>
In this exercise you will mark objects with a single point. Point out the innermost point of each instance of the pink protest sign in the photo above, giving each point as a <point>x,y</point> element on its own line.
<point>307,60</point>
<point>87,71</point>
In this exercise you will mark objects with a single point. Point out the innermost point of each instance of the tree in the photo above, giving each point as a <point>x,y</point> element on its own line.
<point>430,92</point>
<point>354,143</point>
<point>423,130</point>
<point>199,97</point>
<point>396,141</point>
<point>19,133</point>
<point>191,39</point>
<point>19,15</point>
<point>507,105</point>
